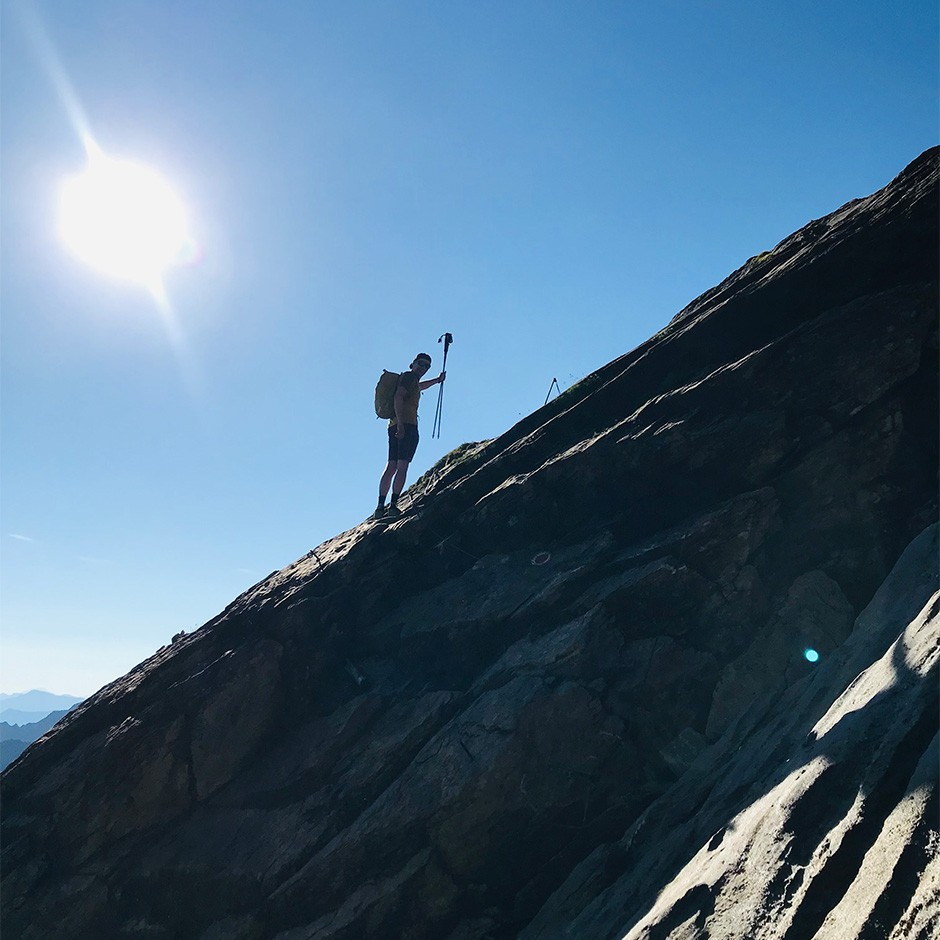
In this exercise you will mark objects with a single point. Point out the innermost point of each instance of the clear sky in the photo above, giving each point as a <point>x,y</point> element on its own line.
<point>549,181</point>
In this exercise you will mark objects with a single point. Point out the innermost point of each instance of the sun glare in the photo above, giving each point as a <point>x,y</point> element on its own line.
<point>123,219</point>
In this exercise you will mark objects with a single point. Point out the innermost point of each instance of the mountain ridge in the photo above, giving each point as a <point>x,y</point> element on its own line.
<point>36,700</point>
<point>15,738</point>
<point>454,715</point>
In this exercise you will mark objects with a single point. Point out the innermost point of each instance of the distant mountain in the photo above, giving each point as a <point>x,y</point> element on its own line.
<point>10,750</point>
<point>26,708</point>
<point>14,716</point>
<point>36,703</point>
<point>32,731</point>
<point>14,739</point>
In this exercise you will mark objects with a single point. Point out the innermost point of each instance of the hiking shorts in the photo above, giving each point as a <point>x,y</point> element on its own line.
<point>405,448</point>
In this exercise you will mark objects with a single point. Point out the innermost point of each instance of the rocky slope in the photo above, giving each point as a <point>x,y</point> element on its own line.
<point>566,695</point>
<point>14,739</point>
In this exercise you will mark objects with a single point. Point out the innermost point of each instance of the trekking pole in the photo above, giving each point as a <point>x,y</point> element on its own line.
<point>550,387</point>
<point>446,339</point>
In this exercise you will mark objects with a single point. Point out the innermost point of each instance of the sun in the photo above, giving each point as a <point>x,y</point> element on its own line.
<point>123,219</point>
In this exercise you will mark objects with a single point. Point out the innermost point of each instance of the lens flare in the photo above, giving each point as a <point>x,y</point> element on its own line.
<point>123,219</point>
<point>811,655</point>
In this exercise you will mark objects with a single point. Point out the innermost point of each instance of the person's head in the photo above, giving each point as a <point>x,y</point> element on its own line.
<point>421,364</point>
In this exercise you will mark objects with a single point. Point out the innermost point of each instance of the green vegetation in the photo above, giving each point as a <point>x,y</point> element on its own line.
<point>583,387</point>
<point>757,259</point>
<point>462,454</point>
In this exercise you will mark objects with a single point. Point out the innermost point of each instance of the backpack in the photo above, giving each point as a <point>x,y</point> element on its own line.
<point>385,390</point>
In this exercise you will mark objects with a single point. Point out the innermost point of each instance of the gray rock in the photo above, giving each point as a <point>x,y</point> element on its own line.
<point>815,818</point>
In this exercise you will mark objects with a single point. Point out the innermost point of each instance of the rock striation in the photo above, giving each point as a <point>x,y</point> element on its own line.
<point>566,695</point>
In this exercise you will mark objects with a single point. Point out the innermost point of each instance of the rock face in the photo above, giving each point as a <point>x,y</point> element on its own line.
<point>566,694</point>
<point>815,817</point>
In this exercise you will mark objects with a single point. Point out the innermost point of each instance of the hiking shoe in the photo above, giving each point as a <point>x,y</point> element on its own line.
<point>380,513</point>
<point>393,512</point>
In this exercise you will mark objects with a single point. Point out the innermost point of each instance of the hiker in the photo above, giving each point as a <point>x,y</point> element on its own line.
<point>403,432</point>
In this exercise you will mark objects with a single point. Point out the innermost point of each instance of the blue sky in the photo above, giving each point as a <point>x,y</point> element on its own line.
<point>549,181</point>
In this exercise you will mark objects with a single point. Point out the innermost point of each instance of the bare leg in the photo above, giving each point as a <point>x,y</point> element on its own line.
<point>400,473</point>
<point>386,480</point>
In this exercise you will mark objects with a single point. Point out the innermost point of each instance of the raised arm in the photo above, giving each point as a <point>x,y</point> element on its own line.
<point>426,385</point>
